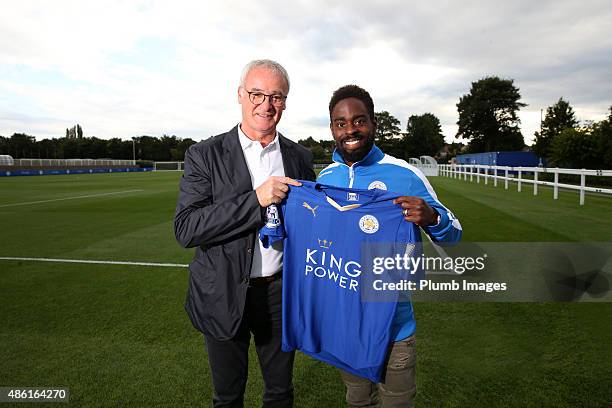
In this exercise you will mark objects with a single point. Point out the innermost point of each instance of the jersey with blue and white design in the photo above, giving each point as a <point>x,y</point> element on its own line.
<point>382,171</point>
<point>331,235</point>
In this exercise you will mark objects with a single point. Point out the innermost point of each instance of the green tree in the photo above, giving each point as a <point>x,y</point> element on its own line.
<point>388,133</point>
<point>308,143</point>
<point>152,148</point>
<point>602,131</point>
<point>558,117</point>
<point>423,136</point>
<point>387,127</point>
<point>575,148</point>
<point>72,148</point>
<point>4,145</point>
<point>166,145</point>
<point>49,148</point>
<point>488,116</point>
<point>119,149</point>
<point>94,148</point>
<point>21,146</point>
<point>451,150</point>
<point>321,151</point>
<point>71,133</point>
<point>178,153</point>
<point>328,146</point>
<point>319,155</point>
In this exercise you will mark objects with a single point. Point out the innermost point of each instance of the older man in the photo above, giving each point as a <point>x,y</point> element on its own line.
<point>235,283</point>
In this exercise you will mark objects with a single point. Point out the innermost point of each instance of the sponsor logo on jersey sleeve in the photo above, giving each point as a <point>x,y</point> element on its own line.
<point>272,219</point>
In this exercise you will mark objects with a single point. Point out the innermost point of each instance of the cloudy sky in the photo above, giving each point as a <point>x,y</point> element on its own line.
<point>128,68</point>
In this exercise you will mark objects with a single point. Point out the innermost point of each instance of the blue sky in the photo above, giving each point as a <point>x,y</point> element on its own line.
<point>128,68</point>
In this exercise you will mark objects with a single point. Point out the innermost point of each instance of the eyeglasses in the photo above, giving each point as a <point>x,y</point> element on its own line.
<point>257,98</point>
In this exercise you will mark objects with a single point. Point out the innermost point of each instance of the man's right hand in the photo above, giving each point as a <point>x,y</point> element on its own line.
<point>274,190</point>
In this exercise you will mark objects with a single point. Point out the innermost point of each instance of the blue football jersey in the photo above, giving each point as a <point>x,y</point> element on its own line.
<point>331,237</point>
<point>378,170</point>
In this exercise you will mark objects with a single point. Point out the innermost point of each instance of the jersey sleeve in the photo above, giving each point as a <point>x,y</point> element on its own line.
<point>448,229</point>
<point>274,229</point>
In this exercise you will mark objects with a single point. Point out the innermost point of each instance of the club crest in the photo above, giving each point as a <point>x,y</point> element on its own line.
<point>377,184</point>
<point>368,224</point>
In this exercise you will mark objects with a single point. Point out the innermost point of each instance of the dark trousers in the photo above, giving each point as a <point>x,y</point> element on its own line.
<point>229,358</point>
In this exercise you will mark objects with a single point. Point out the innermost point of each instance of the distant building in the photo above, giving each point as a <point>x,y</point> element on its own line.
<point>512,159</point>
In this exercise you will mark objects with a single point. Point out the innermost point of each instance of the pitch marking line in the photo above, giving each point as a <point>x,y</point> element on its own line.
<point>69,198</point>
<point>85,261</point>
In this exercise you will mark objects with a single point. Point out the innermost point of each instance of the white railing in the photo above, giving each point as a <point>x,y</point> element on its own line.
<point>478,171</point>
<point>72,162</point>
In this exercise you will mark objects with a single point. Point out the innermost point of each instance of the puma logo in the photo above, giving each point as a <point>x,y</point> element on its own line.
<point>307,206</point>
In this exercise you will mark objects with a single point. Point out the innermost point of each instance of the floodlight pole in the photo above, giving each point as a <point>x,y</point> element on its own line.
<point>134,151</point>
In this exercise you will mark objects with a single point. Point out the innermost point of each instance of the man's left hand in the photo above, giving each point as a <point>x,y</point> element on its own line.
<point>416,210</point>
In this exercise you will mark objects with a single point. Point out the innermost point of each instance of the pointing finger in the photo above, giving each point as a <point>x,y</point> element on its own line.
<point>290,181</point>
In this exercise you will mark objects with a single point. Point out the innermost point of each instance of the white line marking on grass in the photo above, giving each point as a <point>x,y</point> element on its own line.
<point>86,261</point>
<point>69,198</point>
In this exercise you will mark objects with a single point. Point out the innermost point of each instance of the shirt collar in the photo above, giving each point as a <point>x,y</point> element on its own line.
<point>247,143</point>
<point>374,156</point>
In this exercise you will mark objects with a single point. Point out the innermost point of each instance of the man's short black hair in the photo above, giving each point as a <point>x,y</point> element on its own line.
<point>352,91</point>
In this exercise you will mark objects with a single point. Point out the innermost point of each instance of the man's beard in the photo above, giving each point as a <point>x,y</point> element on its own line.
<point>353,156</point>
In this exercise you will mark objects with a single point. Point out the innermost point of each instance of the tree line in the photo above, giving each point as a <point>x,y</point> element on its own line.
<point>488,121</point>
<point>423,137</point>
<point>565,142</point>
<point>164,148</point>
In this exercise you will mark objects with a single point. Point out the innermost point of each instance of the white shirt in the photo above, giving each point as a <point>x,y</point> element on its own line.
<point>263,162</point>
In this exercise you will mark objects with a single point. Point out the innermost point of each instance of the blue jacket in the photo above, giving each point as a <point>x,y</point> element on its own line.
<point>379,170</point>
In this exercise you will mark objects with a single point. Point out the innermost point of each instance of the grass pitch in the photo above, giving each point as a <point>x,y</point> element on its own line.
<point>117,335</point>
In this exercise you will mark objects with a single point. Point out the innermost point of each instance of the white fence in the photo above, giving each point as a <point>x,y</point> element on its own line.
<point>477,171</point>
<point>71,162</point>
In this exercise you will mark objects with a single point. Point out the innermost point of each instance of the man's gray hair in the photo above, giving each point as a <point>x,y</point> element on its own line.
<point>267,64</point>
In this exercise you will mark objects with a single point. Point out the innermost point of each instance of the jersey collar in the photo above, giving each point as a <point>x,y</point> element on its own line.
<point>374,195</point>
<point>374,156</point>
